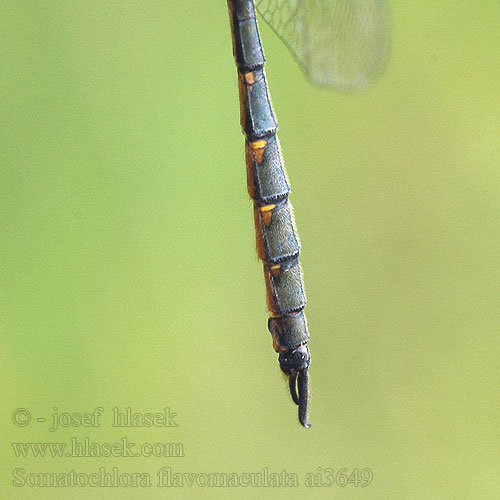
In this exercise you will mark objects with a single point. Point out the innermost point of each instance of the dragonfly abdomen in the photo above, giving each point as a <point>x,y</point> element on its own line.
<point>277,240</point>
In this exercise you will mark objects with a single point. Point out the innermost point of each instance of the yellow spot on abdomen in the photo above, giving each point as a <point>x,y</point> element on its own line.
<point>259,144</point>
<point>259,147</point>
<point>275,270</point>
<point>267,213</point>
<point>249,78</point>
<point>267,208</point>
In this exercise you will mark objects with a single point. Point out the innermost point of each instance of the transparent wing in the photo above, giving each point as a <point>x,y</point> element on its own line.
<point>343,43</point>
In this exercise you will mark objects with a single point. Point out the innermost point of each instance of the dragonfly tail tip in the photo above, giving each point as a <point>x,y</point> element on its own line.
<point>300,395</point>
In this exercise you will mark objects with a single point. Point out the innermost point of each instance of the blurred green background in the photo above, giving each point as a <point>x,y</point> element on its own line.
<point>129,276</point>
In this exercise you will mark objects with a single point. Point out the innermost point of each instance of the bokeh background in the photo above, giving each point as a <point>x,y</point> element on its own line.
<point>129,276</point>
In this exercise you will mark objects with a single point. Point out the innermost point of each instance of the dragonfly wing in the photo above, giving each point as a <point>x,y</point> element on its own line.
<point>341,43</point>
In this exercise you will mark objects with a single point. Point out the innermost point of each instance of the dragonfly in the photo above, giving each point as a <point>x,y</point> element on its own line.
<point>337,43</point>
